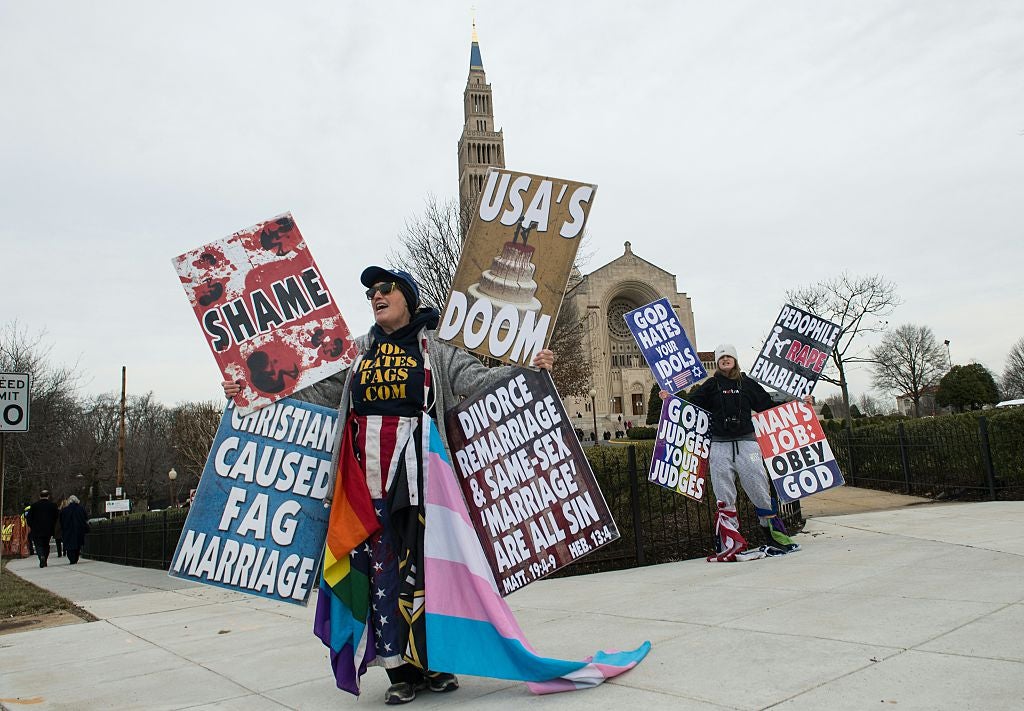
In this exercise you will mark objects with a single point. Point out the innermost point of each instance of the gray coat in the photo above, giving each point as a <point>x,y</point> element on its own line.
<point>455,375</point>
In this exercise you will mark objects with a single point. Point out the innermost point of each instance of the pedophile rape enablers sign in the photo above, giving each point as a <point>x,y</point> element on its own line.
<point>266,311</point>
<point>795,451</point>
<point>681,449</point>
<point>795,352</point>
<point>665,346</point>
<point>515,264</point>
<point>529,489</point>
<point>258,521</point>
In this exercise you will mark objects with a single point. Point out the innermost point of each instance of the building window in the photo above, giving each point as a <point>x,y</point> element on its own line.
<point>616,405</point>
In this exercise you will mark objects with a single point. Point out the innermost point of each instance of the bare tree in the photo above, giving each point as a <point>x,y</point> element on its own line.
<point>1012,383</point>
<point>193,427</point>
<point>909,361</point>
<point>38,458</point>
<point>429,248</point>
<point>870,405</point>
<point>837,406</point>
<point>858,305</point>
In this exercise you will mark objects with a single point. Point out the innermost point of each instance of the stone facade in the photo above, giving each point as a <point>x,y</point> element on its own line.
<point>621,377</point>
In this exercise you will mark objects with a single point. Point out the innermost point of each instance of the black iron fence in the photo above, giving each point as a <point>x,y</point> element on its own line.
<point>966,458</point>
<point>144,540</point>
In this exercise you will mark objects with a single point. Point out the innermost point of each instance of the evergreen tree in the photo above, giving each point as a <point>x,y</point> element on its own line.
<point>967,387</point>
<point>654,405</point>
<point>826,412</point>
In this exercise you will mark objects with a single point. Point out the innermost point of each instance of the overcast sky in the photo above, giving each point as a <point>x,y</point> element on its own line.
<point>746,147</point>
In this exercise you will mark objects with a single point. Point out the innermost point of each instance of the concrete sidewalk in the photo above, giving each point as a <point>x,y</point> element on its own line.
<point>912,608</point>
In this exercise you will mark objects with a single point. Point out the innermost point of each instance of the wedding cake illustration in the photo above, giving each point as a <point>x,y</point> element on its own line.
<point>509,281</point>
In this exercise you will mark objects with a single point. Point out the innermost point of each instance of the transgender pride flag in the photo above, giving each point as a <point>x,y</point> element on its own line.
<point>470,628</point>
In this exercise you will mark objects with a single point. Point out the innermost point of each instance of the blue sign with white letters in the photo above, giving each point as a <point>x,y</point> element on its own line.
<point>259,519</point>
<point>665,346</point>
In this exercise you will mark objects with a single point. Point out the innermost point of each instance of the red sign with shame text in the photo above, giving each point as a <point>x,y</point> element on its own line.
<point>266,311</point>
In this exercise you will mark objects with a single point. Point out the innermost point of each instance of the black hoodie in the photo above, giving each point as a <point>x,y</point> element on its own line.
<point>730,403</point>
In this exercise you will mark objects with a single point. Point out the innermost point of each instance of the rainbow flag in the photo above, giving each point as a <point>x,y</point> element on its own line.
<point>470,628</point>
<point>343,601</point>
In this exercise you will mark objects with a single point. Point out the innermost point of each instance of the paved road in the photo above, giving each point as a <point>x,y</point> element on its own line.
<point>918,607</point>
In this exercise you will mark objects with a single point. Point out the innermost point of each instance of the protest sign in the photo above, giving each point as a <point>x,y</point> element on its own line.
<point>515,264</point>
<point>265,311</point>
<point>258,522</point>
<point>531,494</point>
<point>795,353</point>
<point>665,346</point>
<point>795,451</point>
<point>680,459</point>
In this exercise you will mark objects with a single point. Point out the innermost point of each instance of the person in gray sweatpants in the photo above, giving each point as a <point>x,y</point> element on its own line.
<point>730,396</point>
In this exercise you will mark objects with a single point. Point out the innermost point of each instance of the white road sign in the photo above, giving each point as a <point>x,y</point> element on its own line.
<point>14,401</point>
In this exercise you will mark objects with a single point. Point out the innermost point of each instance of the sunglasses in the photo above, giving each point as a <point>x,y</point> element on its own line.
<point>384,287</point>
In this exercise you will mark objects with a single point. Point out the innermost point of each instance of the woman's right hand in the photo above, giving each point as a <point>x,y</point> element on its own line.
<point>231,388</point>
<point>664,394</point>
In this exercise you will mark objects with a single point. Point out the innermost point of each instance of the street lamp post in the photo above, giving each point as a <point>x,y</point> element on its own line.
<point>593,411</point>
<point>949,360</point>
<point>171,476</point>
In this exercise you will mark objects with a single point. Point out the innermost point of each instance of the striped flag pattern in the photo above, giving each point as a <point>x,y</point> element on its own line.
<point>343,601</point>
<point>470,628</point>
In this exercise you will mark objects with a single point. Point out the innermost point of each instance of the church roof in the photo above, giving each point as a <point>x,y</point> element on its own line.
<point>629,258</point>
<point>475,60</point>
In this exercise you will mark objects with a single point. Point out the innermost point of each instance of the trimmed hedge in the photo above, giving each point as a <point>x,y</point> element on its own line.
<point>642,432</point>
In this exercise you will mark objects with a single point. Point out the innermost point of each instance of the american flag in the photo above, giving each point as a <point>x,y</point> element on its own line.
<point>681,380</point>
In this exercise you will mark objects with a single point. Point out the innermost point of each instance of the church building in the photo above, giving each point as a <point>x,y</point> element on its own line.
<point>621,379</point>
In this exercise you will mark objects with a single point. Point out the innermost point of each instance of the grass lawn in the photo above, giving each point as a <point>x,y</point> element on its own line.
<point>18,597</point>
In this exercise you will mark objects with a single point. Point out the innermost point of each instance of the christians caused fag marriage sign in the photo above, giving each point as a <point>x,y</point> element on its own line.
<point>664,344</point>
<point>265,311</point>
<point>795,352</point>
<point>680,460</point>
<point>515,264</point>
<point>795,451</point>
<point>530,492</point>
<point>258,521</point>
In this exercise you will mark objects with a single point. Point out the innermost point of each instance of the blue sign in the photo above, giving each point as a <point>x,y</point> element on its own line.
<point>259,520</point>
<point>665,346</point>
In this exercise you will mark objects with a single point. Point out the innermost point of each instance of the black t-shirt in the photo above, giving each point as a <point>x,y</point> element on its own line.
<point>389,379</point>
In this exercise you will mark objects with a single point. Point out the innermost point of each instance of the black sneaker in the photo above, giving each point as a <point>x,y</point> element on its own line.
<point>442,682</point>
<point>402,692</point>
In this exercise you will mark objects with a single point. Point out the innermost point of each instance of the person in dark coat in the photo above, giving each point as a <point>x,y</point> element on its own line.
<point>74,524</point>
<point>42,519</point>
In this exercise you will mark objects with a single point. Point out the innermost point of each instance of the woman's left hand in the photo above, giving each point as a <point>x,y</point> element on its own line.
<point>544,359</point>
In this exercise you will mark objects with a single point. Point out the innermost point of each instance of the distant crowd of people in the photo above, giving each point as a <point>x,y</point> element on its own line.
<point>66,523</point>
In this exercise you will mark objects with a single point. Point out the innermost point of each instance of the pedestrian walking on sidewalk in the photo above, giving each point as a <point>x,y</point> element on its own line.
<point>75,524</point>
<point>42,519</point>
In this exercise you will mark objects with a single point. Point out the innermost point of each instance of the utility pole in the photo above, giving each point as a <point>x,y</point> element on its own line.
<point>120,436</point>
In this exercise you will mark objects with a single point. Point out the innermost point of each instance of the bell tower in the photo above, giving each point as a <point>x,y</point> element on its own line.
<point>480,146</point>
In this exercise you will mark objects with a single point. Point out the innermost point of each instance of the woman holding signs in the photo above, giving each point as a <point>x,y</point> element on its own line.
<point>730,396</point>
<point>370,602</point>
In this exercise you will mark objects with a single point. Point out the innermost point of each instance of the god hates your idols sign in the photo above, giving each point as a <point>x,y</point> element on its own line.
<point>680,460</point>
<point>795,353</point>
<point>665,346</point>
<point>529,489</point>
<point>795,451</point>
<point>258,521</point>
<point>515,264</point>
<point>266,312</point>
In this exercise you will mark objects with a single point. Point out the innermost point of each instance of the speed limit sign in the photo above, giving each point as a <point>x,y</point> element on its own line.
<point>14,401</point>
